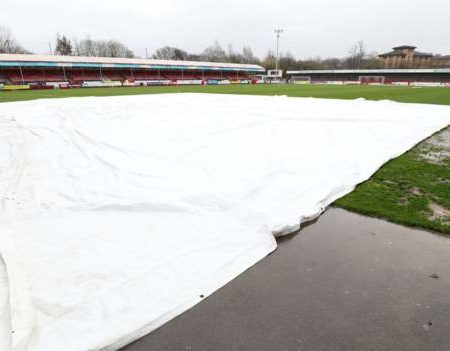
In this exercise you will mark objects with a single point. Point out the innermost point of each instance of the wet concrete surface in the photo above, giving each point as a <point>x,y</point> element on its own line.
<point>347,282</point>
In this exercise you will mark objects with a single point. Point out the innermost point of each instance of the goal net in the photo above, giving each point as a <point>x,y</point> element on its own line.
<point>301,79</point>
<point>373,80</point>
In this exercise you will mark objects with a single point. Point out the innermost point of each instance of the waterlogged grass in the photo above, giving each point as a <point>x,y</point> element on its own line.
<point>413,189</point>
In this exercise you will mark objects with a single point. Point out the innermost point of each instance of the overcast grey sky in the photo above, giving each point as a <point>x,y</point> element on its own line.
<point>312,27</point>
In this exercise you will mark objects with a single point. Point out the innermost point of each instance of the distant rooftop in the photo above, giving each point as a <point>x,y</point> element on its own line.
<point>405,47</point>
<point>399,51</point>
<point>393,53</point>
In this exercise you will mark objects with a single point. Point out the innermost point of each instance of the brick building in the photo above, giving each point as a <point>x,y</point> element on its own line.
<point>406,56</point>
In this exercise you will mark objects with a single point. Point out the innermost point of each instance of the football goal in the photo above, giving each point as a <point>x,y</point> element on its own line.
<point>372,80</point>
<point>301,79</point>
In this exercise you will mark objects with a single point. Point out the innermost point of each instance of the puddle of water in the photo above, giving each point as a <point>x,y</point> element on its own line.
<point>437,148</point>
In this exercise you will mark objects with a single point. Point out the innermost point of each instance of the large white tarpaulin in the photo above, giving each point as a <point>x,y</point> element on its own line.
<point>119,213</point>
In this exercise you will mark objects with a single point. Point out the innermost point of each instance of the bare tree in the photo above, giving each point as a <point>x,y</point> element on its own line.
<point>114,48</point>
<point>9,45</point>
<point>194,57</point>
<point>357,55</point>
<point>101,48</point>
<point>170,53</point>
<point>372,61</point>
<point>232,56</point>
<point>214,53</point>
<point>287,61</point>
<point>84,47</point>
<point>332,63</point>
<point>248,56</point>
<point>269,60</point>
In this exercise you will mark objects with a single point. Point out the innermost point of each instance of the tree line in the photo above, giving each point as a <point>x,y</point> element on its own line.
<point>8,44</point>
<point>213,53</point>
<point>358,57</point>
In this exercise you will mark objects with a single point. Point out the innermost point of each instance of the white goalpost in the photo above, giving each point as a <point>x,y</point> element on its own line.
<point>372,80</point>
<point>301,79</point>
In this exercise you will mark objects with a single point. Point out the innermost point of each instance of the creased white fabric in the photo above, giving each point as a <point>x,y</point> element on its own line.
<point>119,213</point>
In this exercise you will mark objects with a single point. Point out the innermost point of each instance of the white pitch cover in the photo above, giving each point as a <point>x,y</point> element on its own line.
<point>119,213</point>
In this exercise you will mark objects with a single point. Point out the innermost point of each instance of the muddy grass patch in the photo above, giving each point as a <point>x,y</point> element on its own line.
<point>413,189</point>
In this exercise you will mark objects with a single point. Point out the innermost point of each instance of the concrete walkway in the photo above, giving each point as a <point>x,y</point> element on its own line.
<point>345,283</point>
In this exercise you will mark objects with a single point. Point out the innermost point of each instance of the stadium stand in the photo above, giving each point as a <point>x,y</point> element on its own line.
<point>141,75</point>
<point>112,75</point>
<point>78,76</point>
<point>54,76</point>
<point>14,76</point>
<point>238,77</point>
<point>4,79</point>
<point>178,76</point>
<point>213,76</point>
<point>439,77</point>
<point>71,71</point>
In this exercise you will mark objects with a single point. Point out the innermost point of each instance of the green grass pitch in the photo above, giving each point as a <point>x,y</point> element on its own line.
<point>402,94</point>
